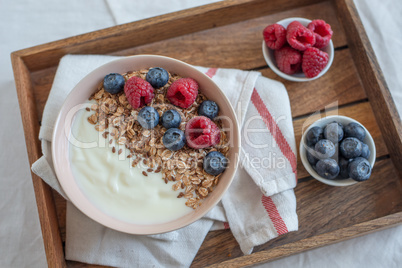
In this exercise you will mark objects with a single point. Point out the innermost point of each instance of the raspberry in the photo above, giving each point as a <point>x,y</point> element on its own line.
<point>288,60</point>
<point>201,132</point>
<point>183,92</point>
<point>299,37</point>
<point>274,36</point>
<point>138,92</point>
<point>314,61</point>
<point>322,32</point>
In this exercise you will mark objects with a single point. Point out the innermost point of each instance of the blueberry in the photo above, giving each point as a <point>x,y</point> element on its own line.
<point>365,151</point>
<point>324,149</point>
<point>113,83</point>
<point>313,136</point>
<point>310,153</point>
<point>333,132</point>
<point>148,117</point>
<point>174,139</point>
<point>355,130</point>
<point>209,109</point>
<point>343,165</point>
<point>171,119</point>
<point>157,77</point>
<point>359,169</point>
<point>350,147</point>
<point>215,163</point>
<point>327,168</point>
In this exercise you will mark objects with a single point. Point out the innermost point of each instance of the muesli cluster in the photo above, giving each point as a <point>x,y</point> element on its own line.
<point>166,124</point>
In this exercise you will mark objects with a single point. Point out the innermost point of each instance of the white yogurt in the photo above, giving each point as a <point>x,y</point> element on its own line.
<point>114,186</point>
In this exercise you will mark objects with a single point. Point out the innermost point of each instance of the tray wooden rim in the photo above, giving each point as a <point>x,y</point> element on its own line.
<point>26,60</point>
<point>303,245</point>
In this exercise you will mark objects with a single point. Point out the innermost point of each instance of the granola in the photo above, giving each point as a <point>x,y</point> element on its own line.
<point>117,120</point>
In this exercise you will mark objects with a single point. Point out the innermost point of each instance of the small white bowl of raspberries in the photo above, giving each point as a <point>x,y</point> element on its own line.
<point>298,49</point>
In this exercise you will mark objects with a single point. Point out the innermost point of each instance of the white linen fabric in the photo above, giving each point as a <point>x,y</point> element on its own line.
<point>256,212</point>
<point>24,24</point>
<point>125,11</point>
<point>384,28</point>
<point>27,23</point>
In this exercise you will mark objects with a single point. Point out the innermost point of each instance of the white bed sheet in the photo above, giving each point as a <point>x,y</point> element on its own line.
<point>26,23</point>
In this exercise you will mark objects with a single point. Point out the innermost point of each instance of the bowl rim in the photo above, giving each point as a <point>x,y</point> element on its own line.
<point>268,58</point>
<point>313,173</point>
<point>76,197</point>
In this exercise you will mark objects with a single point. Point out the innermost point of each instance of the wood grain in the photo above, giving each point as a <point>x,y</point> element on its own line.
<point>312,242</point>
<point>373,80</point>
<point>339,86</point>
<point>228,34</point>
<point>321,209</point>
<point>43,193</point>
<point>154,29</point>
<point>244,41</point>
<point>242,50</point>
<point>74,264</point>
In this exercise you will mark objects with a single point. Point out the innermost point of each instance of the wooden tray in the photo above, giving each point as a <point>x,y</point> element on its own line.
<point>229,34</point>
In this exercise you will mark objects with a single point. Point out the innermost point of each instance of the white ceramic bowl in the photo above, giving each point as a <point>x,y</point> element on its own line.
<point>298,77</point>
<point>322,123</point>
<point>81,93</point>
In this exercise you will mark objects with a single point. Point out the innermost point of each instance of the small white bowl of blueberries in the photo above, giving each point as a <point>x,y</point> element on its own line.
<point>338,151</point>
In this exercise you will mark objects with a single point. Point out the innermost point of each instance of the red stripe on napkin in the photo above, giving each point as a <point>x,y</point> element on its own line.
<point>274,215</point>
<point>274,129</point>
<point>226,225</point>
<point>211,72</point>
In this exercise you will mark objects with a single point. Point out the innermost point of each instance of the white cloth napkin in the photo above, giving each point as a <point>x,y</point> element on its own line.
<point>259,205</point>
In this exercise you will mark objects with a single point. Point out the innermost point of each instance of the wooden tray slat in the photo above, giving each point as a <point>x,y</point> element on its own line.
<point>373,80</point>
<point>243,41</point>
<point>313,242</point>
<point>242,50</point>
<point>319,215</point>
<point>339,86</point>
<point>154,29</point>
<point>43,193</point>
